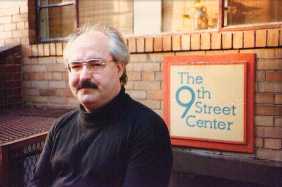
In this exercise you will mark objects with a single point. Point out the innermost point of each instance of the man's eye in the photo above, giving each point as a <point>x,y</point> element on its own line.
<point>75,66</point>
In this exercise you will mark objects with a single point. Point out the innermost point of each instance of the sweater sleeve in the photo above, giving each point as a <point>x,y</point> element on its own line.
<point>150,157</point>
<point>42,174</point>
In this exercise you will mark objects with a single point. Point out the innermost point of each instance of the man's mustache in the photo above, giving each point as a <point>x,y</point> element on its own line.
<point>87,84</point>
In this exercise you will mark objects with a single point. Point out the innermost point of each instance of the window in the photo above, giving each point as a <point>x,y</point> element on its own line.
<point>117,13</point>
<point>239,12</point>
<point>190,15</point>
<point>58,18</point>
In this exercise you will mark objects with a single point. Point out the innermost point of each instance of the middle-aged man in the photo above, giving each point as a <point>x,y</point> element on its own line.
<point>110,140</point>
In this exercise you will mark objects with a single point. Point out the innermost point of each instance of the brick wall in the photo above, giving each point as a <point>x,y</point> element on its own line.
<point>10,78</point>
<point>45,78</point>
<point>14,22</point>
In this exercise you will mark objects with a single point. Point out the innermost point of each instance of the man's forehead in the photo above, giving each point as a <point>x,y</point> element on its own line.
<point>90,45</point>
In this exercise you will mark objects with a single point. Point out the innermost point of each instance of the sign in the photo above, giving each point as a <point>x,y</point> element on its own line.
<point>209,101</point>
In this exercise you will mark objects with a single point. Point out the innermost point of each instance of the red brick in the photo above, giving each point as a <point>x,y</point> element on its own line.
<point>59,49</point>
<point>143,67</point>
<point>167,43</point>
<point>153,104</point>
<point>185,41</point>
<point>5,35</point>
<point>5,19</point>
<point>40,49</point>
<point>34,50</point>
<point>134,75</point>
<point>52,49</point>
<point>38,76</point>
<point>47,92</point>
<point>280,37</point>
<point>31,92</point>
<point>260,75</point>
<point>274,75</point>
<point>269,154</point>
<point>57,84</point>
<point>158,44</point>
<point>227,40</point>
<point>63,92</point>
<point>147,85</point>
<point>270,86</point>
<point>155,95</point>
<point>158,76</point>
<point>149,44</point>
<point>278,99</point>
<point>19,17</point>
<point>147,76</point>
<point>278,121</point>
<point>56,67</point>
<point>269,53</point>
<point>270,143</point>
<point>216,40</point>
<point>269,132</point>
<point>137,94</point>
<point>176,42</point>
<point>259,142</point>
<point>264,98</point>
<point>129,85</point>
<point>249,39</point>
<point>46,49</point>
<point>20,25</point>
<point>264,121</point>
<point>138,58</point>
<point>9,27</point>
<point>140,44</point>
<point>273,37</point>
<point>261,38</point>
<point>275,64</point>
<point>57,76</point>
<point>195,41</point>
<point>205,41</point>
<point>268,110</point>
<point>238,40</point>
<point>273,132</point>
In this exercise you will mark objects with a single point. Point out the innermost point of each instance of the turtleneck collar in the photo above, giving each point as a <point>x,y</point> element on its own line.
<point>103,115</point>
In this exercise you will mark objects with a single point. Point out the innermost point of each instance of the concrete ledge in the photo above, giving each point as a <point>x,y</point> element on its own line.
<point>264,173</point>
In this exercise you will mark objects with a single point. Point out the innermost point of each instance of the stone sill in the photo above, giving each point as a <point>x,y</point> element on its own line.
<point>215,40</point>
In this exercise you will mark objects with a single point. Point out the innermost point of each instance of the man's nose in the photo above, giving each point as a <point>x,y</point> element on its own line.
<point>85,74</point>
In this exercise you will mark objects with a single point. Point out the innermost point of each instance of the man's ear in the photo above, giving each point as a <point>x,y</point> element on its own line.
<point>120,68</point>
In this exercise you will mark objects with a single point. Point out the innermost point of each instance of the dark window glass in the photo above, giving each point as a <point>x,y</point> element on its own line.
<point>238,12</point>
<point>189,15</point>
<point>117,13</point>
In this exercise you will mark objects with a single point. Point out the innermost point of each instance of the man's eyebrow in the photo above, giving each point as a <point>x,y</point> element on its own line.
<point>75,62</point>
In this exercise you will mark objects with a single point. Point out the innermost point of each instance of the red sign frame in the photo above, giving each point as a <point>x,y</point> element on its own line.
<point>249,61</point>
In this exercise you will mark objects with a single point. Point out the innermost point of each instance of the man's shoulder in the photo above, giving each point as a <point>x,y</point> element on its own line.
<point>141,109</point>
<point>64,119</point>
<point>143,115</point>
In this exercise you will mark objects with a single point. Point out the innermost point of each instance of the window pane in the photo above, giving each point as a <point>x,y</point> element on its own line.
<point>57,22</point>
<point>189,15</point>
<point>117,13</point>
<point>252,11</point>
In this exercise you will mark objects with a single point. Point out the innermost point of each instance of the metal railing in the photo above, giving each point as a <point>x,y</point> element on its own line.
<point>19,159</point>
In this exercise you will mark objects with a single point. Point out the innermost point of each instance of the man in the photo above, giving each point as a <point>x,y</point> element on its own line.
<point>110,140</point>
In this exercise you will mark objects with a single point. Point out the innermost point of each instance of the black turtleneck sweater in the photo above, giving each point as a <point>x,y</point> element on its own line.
<point>122,144</point>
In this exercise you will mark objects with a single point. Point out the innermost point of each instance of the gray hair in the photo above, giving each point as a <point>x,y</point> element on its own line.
<point>118,48</point>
